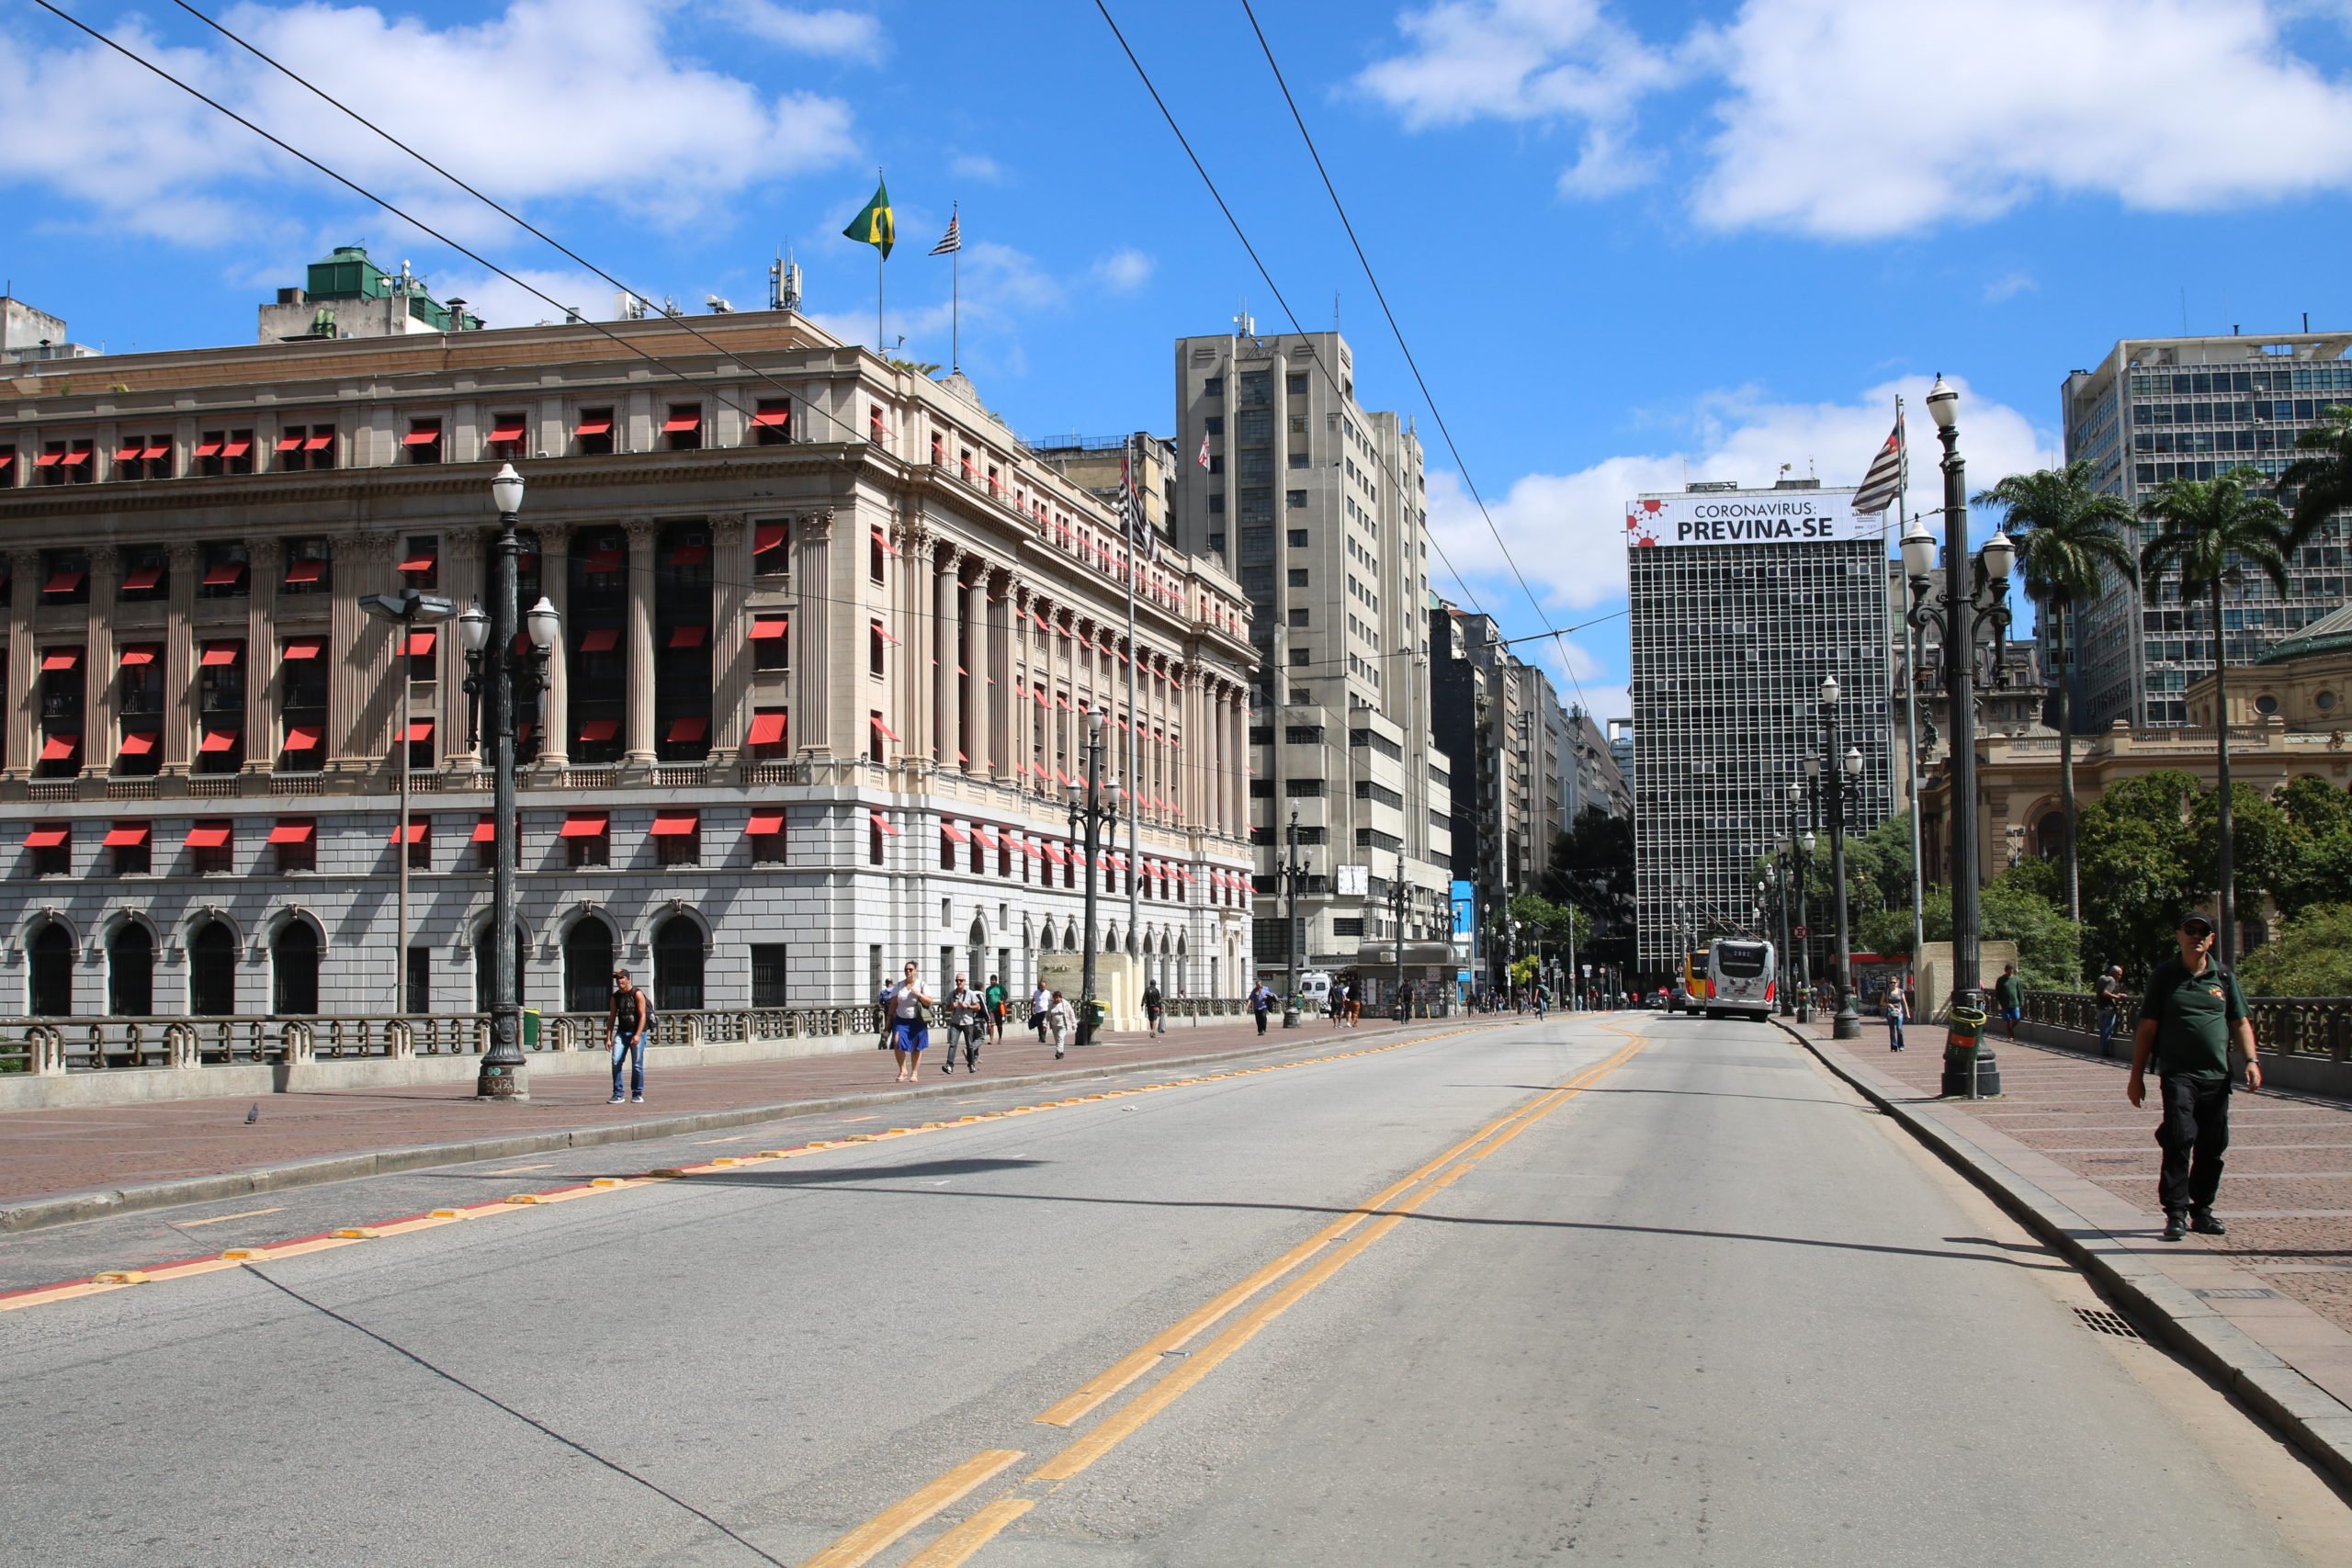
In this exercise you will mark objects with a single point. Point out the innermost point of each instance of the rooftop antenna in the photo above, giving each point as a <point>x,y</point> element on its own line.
<point>783,283</point>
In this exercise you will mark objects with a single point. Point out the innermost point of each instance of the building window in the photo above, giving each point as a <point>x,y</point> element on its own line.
<point>1295,498</point>
<point>146,574</point>
<point>294,842</point>
<point>1298,613</point>
<point>309,567</point>
<point>677,966</point>
<point>130,970</point>
<point>1296,384</point>
<point>302,446</point>
<point>771,732</point>
<point>211,848</point>
<point>878,639</point>
<point>771,555</point>
<point>1298,460</point>
<point>594,434</point>
<point>768,975</point>
<point>772,425</point>
<point>1213,387</point>
<point>64,578</point>
<point>950,837</point>
<point>588,839</point>
<point>420,566</point>
<point>226,572</point>
<point>682,431</point>
<point>144,457</point>
<point>7,465</point>
<point>588,966</point>
<point>1297,576</point>
<point>1297,538</point>
<point>419,842</point>
<point>423,442</point>
<point>875,430</point>
<point>677,837</point>
<point>224,452</point>
<point>507,436</point>
<point>766,831</point>
<point>50,847</point>
<point>294,969</point>
<point>1217,503</point>
<point>130,847</point>
<point>771,642</point>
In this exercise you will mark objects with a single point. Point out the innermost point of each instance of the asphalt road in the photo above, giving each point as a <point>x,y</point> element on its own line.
<point>1702,1308</point>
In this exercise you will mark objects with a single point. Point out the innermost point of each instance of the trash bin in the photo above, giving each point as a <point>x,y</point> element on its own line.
<point>1090,1016</point>
<point>530,1028</point>
<point>1969,1069</point>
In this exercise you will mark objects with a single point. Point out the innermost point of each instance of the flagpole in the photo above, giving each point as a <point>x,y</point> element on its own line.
<point>955,291</point>
<point>1911,706</point>
<point>1134,502</point>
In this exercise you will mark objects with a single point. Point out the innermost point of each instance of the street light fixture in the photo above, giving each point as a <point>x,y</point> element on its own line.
<point>493,666</point>
<point>1835,791</point>
<point>1094,805</point>
<point>1291,877</point>
<point>404,610</point>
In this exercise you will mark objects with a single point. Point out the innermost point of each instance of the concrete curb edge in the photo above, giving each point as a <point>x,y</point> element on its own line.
<point>2305,1414</point>
<point>70,1208</point>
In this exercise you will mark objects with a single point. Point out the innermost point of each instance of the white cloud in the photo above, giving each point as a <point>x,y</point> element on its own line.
<point>1567,531</point>
<point>509,103</point>
<point>976,166</point>
<point>1857,118</point>
<point>2008,285</point>
<point>1124,270</point>
<point>851,35</point>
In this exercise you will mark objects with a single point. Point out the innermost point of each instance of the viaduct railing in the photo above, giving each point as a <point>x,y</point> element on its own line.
<point>2301,1026</point>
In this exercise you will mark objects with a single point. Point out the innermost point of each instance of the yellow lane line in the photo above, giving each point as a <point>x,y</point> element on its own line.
<point>224,1219</point>
<point>954,1548</point>
<point>870,1539</point>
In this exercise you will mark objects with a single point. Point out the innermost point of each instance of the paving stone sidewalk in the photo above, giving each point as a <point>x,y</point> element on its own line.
<point>44,1154</point>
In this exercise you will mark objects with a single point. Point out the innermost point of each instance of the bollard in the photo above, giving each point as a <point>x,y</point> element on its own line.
<point>1970,1069</point>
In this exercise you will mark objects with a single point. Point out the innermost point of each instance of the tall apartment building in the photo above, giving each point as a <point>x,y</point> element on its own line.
<point>1319,507</point>
<point>1742,601</point>
<point>2158,409</point>
<point>829,635</point>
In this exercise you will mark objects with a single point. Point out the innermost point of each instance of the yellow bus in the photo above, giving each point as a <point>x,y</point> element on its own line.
<point>1696,987</point>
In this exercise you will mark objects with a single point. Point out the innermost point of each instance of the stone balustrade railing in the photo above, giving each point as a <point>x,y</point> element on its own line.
<point>2302,1026</point>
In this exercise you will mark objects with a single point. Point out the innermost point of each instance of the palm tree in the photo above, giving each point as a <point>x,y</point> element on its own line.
<point>2325,478</point>
<point>2066,533</point>
<point>2211,531</point>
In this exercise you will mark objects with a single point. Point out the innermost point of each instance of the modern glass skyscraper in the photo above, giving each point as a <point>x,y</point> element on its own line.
<point>1742,602</point>
<point>2158,409</point>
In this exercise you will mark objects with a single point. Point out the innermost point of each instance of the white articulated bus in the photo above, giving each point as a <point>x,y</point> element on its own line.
<point>1740,979</point>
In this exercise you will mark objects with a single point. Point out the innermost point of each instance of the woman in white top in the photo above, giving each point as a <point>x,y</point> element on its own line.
<point>910,1014</point>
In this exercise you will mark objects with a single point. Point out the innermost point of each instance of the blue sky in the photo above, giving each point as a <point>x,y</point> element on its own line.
<point>1630,243</point>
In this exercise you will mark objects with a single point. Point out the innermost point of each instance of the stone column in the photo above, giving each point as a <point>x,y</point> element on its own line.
<point>980,716</point>
<point>811,723</point>
<point>263,571</point>
<point>946,652</point>
<point>555,582</point>
<point>366,684</point>
<point>465,582</point>
<point>1020,707</point>
<point>100,730</point>
<point>1237,727</point>
<point>638,730</point>
<point>1004,660</point>
<point>179,661</point>
<point>731,634</point>
<point>24,701</point>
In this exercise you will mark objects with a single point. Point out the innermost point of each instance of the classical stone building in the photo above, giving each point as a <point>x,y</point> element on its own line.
<point>829,635</point>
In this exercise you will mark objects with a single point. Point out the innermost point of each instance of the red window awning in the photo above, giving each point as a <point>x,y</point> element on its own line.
<point>293,830</point>
<point>421,642</point>
<point>883,823</point>
<point>586,825</point>
<point>59,746</point>
<point>304,571</point>
<point>208,836</point>
<point>956,833</point>
<point>76,458</point>
<point>47,836</point>
<point>302,737</point>
<point>227,651</point>
<point>49,459</point>
<point>318,441</point>
<point>767,536</point>
<point>600,729</point>
<point>606,561</point>
<point>767,728</point>
<point>507,429</point>
<point>876,720</point>
<point>130,454</point>
<point>986,838</point>
<point>63,581</point>
<point>689,637</point>
<point>218,741</point>
<point>422,561</point>
<point>224,574</point>
<point>212,448</point>
<point>136,743</point>
<point>485,830</point>
<point>883,539</point>
<point>676,824</point>
<point>772,419</point>
<point>767,628</point>
<point>62,659</point>
<point>604,639</point>
<point>1054,853</point>
<point>883,632</point>
<point>160,449</point>
<point>419,729</point>
<point>594,425</point>
<point>290,442</point>
<point>234,450</point>
<point>419,829</point>
<point>690,555</point>
<point>691,727</point>
<point>678,421</point>
<point>305,647</point>
<point>765,822</point>
<point>128,835</point>
<point>420,436</point>
<point>1027,848</point>
<point>139,579</point>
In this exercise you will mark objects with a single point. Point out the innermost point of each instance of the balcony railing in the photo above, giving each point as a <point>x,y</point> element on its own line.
<point>2300,1026</point>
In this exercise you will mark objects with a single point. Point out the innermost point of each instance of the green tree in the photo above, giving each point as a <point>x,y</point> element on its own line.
<point>2323,479</point>
<point>2209,531</point>
<point>2068,536</point>
<point>2317,865</point>
<point>2261,843</point>
<point>2048,944</point>
<point>2312,956</point>
<point>1592,868</point>
<point>2138,867</point>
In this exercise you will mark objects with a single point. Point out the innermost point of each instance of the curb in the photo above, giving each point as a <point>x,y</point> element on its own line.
<point>2305,1414</point>
<point>70,1208</point>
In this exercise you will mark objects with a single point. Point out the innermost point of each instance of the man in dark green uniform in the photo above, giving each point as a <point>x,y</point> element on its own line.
<point>2192,1018</point>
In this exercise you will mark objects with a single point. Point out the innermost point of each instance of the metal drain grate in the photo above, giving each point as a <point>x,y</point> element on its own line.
<point>2239,1294</point>
<point>2100,1321</point>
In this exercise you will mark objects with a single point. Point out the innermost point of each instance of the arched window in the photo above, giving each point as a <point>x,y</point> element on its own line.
<point>677,966</point>
<point>212,970</point>
<point>50,982</point>
<point>484,963</point>
<point>2050,834</point>
<point>588,965</point>
<point>294,969</point>
<point>130,970</point>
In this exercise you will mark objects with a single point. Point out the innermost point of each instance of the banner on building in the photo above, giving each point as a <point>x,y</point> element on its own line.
<point>1732,519</point>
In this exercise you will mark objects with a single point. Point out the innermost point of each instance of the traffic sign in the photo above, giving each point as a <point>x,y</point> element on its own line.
<point>1802,933</point>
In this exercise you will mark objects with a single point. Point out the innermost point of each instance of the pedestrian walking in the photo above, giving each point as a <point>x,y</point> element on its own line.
<point>1041,1002</point>
<point>1543,1000</point>
<point>2111,997</point>
<point>1261,1001</point>
<point>2191,1018</point>
<point>2008,995</point>
<point>909,1009</point>
<point>1061,1022</point>
<point>1896,1013</point>
<point>625,1024</point>
<point>966,1025</point>
<point>995,1019</point>
<point>1153,1004</point>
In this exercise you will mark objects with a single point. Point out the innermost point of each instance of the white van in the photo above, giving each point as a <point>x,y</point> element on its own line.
<point>1315,990</point>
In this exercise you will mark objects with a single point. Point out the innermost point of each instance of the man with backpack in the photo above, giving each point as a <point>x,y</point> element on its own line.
<point>1261,1001</point>
<point>2111,998</point>
<point>629,1023</point>
<point>1153,1004</point>
<point>2191,1018</point>
<point>995,1019</point>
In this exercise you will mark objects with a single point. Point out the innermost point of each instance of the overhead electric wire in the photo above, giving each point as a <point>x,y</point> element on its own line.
<point>1398,332</point>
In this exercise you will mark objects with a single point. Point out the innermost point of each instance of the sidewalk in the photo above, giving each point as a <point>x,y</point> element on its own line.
<point>61,1164</point>
<point>2266,1309</point>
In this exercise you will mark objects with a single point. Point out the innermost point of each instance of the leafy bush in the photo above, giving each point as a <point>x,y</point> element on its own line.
<point>2312,956</point>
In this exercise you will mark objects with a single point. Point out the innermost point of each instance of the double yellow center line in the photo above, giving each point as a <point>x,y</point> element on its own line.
<point>1297,1272</point>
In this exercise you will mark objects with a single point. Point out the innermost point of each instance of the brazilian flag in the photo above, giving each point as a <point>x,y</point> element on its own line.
<point>874,226</point>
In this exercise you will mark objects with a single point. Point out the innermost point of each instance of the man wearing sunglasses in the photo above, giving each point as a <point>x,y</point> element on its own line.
<point>2192,1019</point>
